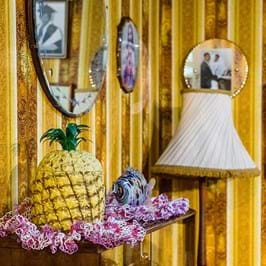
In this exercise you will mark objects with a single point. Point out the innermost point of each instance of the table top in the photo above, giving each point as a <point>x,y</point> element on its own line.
<point>87,247</point>
<point>159,225</point>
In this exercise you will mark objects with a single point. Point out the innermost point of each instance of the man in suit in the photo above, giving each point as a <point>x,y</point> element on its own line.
<point>206,75</point>
<point>50,37</point>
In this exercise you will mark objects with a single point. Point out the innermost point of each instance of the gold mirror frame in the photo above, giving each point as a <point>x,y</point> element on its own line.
<point>218,65</point>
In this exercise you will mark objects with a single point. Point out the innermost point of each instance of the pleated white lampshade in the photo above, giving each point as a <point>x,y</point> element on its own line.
<point>206,143</point>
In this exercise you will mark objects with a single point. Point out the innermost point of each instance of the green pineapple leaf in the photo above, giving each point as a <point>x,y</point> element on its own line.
<point>69,140</point>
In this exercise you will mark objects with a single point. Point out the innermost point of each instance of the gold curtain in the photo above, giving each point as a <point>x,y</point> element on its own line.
<point>133,129</point>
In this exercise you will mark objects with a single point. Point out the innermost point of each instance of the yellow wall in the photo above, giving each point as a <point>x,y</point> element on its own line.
<point>133,129</point>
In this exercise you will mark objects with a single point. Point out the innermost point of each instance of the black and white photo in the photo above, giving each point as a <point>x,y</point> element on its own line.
<point>51,28</point>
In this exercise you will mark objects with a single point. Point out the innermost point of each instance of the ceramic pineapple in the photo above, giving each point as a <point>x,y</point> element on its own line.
<point>68,185</point>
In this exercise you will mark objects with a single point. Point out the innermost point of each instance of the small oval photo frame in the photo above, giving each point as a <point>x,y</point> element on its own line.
<point>218,65</point>
<point>127,54</point>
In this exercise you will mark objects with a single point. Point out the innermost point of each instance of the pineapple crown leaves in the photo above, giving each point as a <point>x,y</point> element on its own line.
<point>69,140</point>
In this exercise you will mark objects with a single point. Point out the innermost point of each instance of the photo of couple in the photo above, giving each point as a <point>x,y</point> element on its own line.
<point>215,69</point>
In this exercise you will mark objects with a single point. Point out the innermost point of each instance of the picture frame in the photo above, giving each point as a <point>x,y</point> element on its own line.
<point>127,54</point>
<point>51,28</point>
<point>216,65</point>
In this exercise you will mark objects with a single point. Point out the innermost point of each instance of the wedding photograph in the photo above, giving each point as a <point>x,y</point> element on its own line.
<point>215,69</point>
<point>209,68</point>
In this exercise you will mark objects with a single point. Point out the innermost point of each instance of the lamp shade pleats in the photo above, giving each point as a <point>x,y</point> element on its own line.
<point>206,142</point>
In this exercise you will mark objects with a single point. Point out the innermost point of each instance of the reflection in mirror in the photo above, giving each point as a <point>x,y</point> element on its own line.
<point>217,65</point>
<point>97,68</point>
<point>71,53</point>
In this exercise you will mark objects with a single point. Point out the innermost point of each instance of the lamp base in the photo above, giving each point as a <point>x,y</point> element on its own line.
<point>202,239</point>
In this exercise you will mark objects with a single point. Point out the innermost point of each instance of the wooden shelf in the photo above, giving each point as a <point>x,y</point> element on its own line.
<point>10,248</point>
<point>157,226</point>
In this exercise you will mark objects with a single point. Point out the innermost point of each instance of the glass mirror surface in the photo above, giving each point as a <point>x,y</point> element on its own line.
<point>71,51</point>
<point>218,65</point>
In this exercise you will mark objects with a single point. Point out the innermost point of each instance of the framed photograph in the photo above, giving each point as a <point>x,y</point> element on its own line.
<point>63,95</point>
<point>217,65</point>
<point>216,68</point>
<point>51,28</point>
<point>127,54</point>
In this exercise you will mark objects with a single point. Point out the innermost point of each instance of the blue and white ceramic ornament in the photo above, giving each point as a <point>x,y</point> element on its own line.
<point>132,188</point>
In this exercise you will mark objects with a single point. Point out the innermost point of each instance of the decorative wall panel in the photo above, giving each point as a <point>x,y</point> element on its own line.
<point>133,129</point>
<point>216,27</point>
<point>136,103</point>
<point>181,28</point>
<point>27,104</point>
<point>5,107</point>
<point>247,33</point>
<point>216,19</point>
<point>263,222</point>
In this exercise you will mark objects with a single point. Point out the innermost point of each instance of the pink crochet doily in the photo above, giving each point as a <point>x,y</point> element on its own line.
<point>121,225</point>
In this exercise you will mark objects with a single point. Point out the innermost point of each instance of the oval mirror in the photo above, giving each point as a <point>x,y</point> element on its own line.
<point>218,65</point>
<point>69,51</point>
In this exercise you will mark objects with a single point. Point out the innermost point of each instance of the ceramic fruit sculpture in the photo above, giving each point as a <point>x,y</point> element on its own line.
<point>68,185</point>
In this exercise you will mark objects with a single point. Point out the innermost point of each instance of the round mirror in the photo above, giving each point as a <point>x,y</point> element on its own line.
<point>218,65</point>
<point>69,50</point>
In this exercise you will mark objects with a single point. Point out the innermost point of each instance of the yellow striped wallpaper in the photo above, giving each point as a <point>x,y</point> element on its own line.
<point>246,240</point>
<point>133,129</point>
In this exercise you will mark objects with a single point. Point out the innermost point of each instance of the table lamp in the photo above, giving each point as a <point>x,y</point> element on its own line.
<point>206,144</point>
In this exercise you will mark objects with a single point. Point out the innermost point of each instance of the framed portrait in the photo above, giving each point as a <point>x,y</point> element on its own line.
<point>127,54</point>
<point>63,95</point>
<point>217,65</point>
<point>51,28</point>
